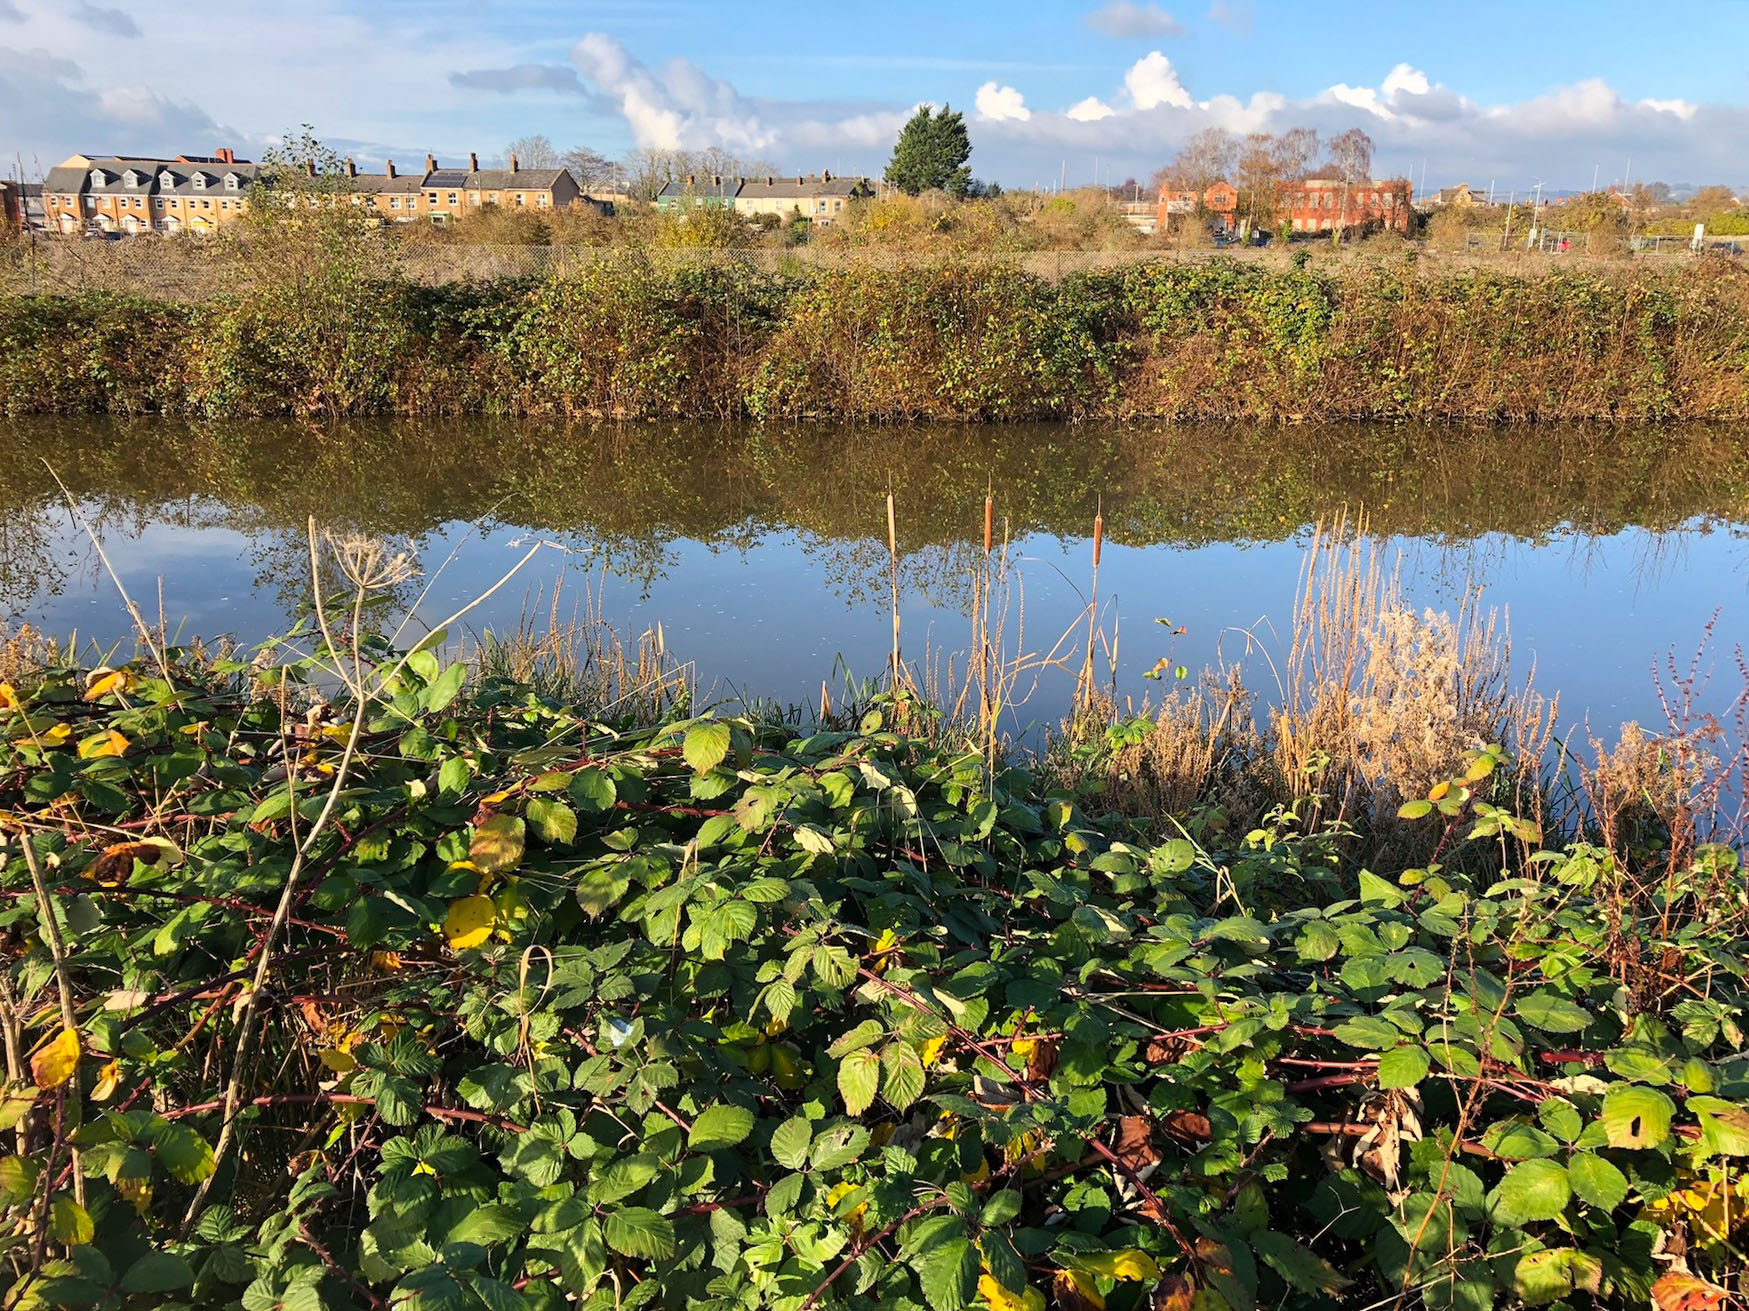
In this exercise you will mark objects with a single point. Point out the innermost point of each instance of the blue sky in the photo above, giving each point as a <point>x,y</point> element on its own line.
<point>1480,92</point>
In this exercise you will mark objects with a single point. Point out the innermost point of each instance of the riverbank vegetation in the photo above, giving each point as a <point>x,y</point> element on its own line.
<point>957,341</point>
<point>342,976</point>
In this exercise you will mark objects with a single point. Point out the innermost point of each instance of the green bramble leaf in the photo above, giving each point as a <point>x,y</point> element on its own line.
<point>706,746</point>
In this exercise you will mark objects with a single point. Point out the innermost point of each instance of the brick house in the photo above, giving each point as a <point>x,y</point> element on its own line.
<point>1221,201</point>
<point>1317,205</point>
<point>820,200</point>
<point>129,196</point>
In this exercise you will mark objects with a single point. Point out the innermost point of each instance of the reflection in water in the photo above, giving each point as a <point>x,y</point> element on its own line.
<point>765,545</point>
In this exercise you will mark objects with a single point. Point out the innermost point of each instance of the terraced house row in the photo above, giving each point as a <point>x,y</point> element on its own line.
<point>203,193</point>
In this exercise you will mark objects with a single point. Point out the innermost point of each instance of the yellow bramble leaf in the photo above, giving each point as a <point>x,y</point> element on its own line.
<point>1127,1264</point>
<point>470,922</point>
<point>8,697</point>
<point>100,745</point>
<point>136,1191</point>
<point>55,735</point>
<point>108,682</point>
<point>498,844</point>
<point>998,1298</point>
<point>107,1080</point>
<point>1479,769</point>
<point>340,1062</point>
<point>54,1062</point>
<point>1023,1048</point>
<point>1439,791</point>
<point>1076,1291</point>
<point>856,1214</point>
<point>496,798</point>
<point>932,1050</point>
<point>386,961</point>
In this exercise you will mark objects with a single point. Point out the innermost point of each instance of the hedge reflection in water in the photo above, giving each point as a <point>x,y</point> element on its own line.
<point>762,551</point>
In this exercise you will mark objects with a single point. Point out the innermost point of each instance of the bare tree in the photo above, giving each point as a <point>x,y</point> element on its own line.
<point>534,152</point>
<point>1259,170</point>
<point>1205,159</point>
<point>1295,150</point>
<point>1351,157</point>
<point>590,168</point>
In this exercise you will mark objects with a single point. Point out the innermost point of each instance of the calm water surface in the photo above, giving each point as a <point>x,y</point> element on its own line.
<point>761,551</point>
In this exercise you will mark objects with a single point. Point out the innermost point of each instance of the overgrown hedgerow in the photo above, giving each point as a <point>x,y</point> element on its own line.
<point>953,341</point>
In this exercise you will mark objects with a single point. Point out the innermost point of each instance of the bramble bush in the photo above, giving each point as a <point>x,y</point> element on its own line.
<point>560,1011</point>
<point>965,339</point>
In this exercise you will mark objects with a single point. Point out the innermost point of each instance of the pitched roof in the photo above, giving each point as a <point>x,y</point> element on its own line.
<point>381,184</point>
<point>712,188</point>
<point>453,178</point>
<point>524,179</point>
<point>800,188</point>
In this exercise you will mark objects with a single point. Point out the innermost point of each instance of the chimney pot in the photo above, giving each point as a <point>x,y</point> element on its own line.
<point>389,168</point>
<point>513,163</point>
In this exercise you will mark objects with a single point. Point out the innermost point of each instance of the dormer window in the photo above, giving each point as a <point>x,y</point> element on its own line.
<point>199,180</point>
<point>166,179</point>
<point>230,182</point>
<point>131,178</point>
<point>99,178</point>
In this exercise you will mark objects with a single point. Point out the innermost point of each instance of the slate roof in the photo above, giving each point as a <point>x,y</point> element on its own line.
<point>524,179</point>
<point>800,188</point>
<point>701,188</point>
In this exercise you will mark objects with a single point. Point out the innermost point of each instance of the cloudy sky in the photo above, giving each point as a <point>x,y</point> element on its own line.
<point>1478,92</point>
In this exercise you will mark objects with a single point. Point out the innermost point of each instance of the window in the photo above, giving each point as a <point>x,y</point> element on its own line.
<point>206,204</point>
<point>199,180</point>
<point>451,198</point>
<point>137,203</point>
<point>394,202</point>
<point>540,200</point>
<point>521,199</point>
<point>492,199</point>
<point>230,182</point>
<point>432,197</point>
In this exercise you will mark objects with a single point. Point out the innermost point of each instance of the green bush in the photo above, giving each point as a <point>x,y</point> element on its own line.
<point>712,1015</point>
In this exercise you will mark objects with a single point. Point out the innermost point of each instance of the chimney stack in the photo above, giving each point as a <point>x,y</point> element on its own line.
<point>801,181</point>
<point>431,163</point>
<point>389,168</point>
<point>513,161</point>
<point>826,176</point>
<point>473,162</point>
<point>309,168</point>
<point>691,180</point>
<point>225,155</point>
<point>351,169</point>
<point>770,181</point>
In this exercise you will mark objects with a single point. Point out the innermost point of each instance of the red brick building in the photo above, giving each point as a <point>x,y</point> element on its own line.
<point>1317,205</point>
<point>1220,201</point>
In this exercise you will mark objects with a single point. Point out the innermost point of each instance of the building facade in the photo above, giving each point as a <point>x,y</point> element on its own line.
<point>202,193</point>
<point>821,200</point>
<point>1331,205</point>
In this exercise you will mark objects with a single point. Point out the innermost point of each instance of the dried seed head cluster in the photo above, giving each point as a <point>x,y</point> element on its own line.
<point>370,563</point>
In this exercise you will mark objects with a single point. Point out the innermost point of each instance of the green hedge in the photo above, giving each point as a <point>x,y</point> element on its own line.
<point>952,342</point>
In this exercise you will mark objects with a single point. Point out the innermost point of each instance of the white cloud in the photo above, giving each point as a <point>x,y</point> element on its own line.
<point>1001,104</point>
<point>1090,110</point>
<point>1681,108</point>
<point>1153,82</point>
<point>1127,20</point>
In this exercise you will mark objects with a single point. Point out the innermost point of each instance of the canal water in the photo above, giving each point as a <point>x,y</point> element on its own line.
<point>761,551</point>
